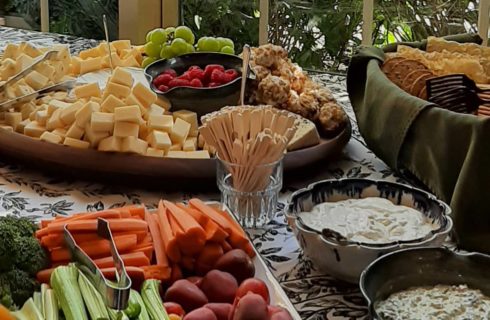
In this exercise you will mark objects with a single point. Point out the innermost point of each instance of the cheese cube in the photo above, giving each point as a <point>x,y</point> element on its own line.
<point>46,70</point>
<point>117,90</point>
<point>67,115</point>
<point>36,80</point>
<point>11,51</point>
<point>75,132</point>
<point>102,121</point>
<point>176,154</point>
<point>34,129</point>
<point>6,128</point>
<point>94,137</point>
<point>127,114</point>
<point>134,145</point>
<point>132,52</point>
<point>61,70</point>
<point>187,116</point>
<point>21,126</point>
<point>13,119</point>
<point>126,129</point>
<point>163,102</point>
<point>60,95</point>
<point>89,53</point>
<point>30,50</point>
<point>130,62</point>
<point>104,49</point>
<point>144,131</point>
<point>23,90</point>
<point>91,64</point>
<point>176,147</point>
<point>76,143</point>
<point>159,140</point>
<point>26,109</point>
<point>180,130</point>
<point>55,104</point>
<point>44,100</point>
<point>32,115</point>
<point>122,77</point>
<point>96,100</point>
<point>110,103</point>
<point>83,115</point>
<point>110,144</point>
<point>23,61</point>
<point>152,152</point>
<point>155,110</point>
<point>88,90</point>
<point>75,65</point>
<point>60,132</point>
<point>200,154</point>
<point>121,45</point>
<point>116,61</point>
<point>8,69</point>
<point>144,94</point>
<point>132,100</point>
<point>42,117</point>
<point>63,53</point>
<point>161,122</point>
<point>190,144</point>
<point>50,137</point>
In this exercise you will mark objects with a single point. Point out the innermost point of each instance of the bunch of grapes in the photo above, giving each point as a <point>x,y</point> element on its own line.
<point>172,42</point>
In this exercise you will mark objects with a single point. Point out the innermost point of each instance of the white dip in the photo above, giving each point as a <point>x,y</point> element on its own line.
<point>440,302</point>
<point>369,220</point>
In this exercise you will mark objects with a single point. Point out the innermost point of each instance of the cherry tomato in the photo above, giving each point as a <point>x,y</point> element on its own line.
<point>253,285</point>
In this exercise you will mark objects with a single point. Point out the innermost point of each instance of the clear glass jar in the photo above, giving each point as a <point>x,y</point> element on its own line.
<point>250,192</point>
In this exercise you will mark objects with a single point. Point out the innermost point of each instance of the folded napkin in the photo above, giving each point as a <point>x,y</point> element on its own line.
<point>448,152</point>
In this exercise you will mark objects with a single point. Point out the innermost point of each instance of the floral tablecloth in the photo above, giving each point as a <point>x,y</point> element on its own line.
<point>315,295</point>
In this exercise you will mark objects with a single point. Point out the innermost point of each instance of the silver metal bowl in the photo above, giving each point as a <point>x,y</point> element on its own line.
<point>407,268</point>
<point>345,259</point>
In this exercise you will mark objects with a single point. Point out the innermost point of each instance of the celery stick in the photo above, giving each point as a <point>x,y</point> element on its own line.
<point>29,311</point>
<point>64,282</point>
<point>44,288</point>
<point>93,299</point>
<point>37,298</point>
<point>50,305</point>
<point>136,298</point>
<point>151,296</point>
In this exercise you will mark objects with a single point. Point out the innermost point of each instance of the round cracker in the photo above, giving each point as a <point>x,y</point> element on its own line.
<point>390,63</point>
<point>401,69</point>
<point>419,87</point>
<point>410,79</point>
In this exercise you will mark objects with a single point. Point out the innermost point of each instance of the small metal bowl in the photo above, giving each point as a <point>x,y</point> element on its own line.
<point>346,259</point>
<point>199,100</point>
<point>420,267</point>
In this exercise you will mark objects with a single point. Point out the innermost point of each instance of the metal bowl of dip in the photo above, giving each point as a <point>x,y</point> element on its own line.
<point>423,268</point>
<point>344,256</point>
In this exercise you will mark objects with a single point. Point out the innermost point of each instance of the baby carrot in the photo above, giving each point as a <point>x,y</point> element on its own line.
<point>167,234</point>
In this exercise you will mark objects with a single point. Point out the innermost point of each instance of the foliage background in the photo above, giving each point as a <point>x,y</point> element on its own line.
<point>320,34</point>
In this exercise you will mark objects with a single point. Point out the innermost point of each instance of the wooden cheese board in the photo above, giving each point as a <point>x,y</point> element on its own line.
<point>163,173</point>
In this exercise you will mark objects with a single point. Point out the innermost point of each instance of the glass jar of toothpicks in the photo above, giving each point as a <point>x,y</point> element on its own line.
<point>250,143</point>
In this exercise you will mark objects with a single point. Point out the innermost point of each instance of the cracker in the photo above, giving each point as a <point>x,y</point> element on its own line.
<point>401,69</point>
<point>411,78</point>
<point>390,63</point>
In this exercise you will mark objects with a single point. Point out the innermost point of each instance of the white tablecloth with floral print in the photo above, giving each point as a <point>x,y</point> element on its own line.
<point>316,296</point>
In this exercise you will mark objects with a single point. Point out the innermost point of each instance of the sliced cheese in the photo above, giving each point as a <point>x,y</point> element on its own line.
<point>60,132</point>
<point>76,143</point>
<point>127,114</point>
<point>88,90</point>
<point>122,77</point>
<point>187,116</point>
<point>34,129</point>
<point>91,64</point>
<point>67,115</point>
<point>75,132</point>
<point>159,140</point>
<point>180,130</point>
<point>51,137</point>
<point>13,119</point>
<point>117,90</point>
<point>190,144</point>
<point>152,152</point>
<point>110,103</point>
<point>161,122</point>
<point>144,94</point>
<point>89,53</point>
<point>102,121</point>
<point>83,115</point>
<point>110,144</point>
<point>36,80</point>
<point>121,45</point>
<point>306,136</point>
<point>134,145</point>
<point>126,129</point>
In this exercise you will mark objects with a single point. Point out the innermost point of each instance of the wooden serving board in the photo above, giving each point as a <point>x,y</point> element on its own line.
<point>163,173</point>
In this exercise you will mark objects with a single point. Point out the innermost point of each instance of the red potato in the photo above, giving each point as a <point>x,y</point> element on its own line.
<point>211,253</point>
<point>187,294</point>
<point>219,286</point>
<point>256,286</point>
<point>237,263</point>
<point>249,307</point>
<point>175,308</point>
<point>201,314</point>
<point>221,310</point>
<point>281,315</point>
<point>196,280</point>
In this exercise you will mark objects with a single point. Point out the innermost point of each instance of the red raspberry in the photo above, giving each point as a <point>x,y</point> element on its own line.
<point>163,88</point>
<point>196,83</point>
<point>171,72</point>
<point>163,78</point>
<point>214,84</point>
<point>218,76</point>
<point>185,76</point>
<point>179,83</point>
<point>230,75</point>
<point>194,68</point>
<point>196,74</point>
<point>210,67</point>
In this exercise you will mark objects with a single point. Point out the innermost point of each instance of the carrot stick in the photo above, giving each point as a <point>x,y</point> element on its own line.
<point>146,250</point>
<point>196,214</point>
<point>238,238</point>
<point>132,259</point>
<point>137,211</point>
<point>194,238</point>
<point>106,214</point>
<point>158,244</point>
<point>249,249</point>
<point>226,246</point>
<point>58,240</point>
<point>44,276</point>
<point>212,214</point>
<point>187,263</point>
<point>116,225</point>
<point>158,272</point>
<point>167,234</point>
<point>136,274</point>
<point>146,240</point>
<point>214,232</point>
<point>96,248</point>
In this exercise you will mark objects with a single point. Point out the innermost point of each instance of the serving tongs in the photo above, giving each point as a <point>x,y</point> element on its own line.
<point>47,56</point>
<point>116,294</point>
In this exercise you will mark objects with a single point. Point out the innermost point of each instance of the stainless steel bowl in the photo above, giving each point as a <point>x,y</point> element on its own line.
<point>346,259</point>
<point>407,268</point>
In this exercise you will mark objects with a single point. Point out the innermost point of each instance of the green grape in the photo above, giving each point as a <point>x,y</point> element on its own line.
<point>169,30</point>
<point>190,48</point>
<point>147,61</point>
<point>148,35</point>
<point>209,44</point>
<point>179,46</point>
<point>166,52</point>
<point>225,42</point>
<point>185,33</point>
<point>228,49</point>
<point>153,49</point>
<point>158,36</point>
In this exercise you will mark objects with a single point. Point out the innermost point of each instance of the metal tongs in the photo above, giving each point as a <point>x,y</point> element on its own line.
<point>116,294</point>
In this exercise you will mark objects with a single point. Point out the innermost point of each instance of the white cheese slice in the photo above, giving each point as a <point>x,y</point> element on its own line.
<point>306,136</point>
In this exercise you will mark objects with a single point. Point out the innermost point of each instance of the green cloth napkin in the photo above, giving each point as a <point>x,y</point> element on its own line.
<point>447,151</point>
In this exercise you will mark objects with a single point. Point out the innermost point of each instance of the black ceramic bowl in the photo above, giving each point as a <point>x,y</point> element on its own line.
<point>199,100</point>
